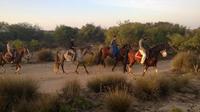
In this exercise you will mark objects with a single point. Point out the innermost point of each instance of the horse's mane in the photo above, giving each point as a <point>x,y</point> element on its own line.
<point>157,46</point>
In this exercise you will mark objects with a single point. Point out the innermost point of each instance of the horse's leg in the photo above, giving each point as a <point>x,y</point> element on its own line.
<point>18,67</point>
<point>104,61</point>
<point>62,66</point>
<point>56,67</point>
<point>156,69</point>
<point>115,64</point>
<point>145,70</point>
<point>85,68</point>
<point>125,68</point>
<point>77,67</point>
<point>130,68</point>
<point>3,69</point>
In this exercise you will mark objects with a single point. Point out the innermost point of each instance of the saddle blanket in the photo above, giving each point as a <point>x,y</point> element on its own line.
<point>138,56</point>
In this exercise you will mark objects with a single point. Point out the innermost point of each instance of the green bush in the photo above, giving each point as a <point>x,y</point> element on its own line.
<point>34,44</point>
<point>118,101</point>
<point>45,55</point>
<point>18,43</point>
<point>186,62</point>
<point>108,82</point>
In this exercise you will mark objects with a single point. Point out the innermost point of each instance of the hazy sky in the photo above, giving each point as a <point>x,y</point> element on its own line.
<point>50,13</point>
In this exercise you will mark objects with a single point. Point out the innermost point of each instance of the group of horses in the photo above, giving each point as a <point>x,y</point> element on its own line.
<point>127,55</point>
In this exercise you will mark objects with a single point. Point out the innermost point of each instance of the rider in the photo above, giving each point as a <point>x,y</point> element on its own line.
<point>143,49</point>
<point>11,51</point>
<point>72,48</point>
<point>71,44</point>
<point>114,47</point>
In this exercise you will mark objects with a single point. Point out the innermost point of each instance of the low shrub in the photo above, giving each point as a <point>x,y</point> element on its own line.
<point>179,82</point>
<point>12,91</point>
<point>146,88</point>
<point>108,82</point>
<point>71,90</point>
<point>186,62</point>
<point>117,101</point>
<point>45,55</point>
<point>175,109</point>
<point>158,86</point>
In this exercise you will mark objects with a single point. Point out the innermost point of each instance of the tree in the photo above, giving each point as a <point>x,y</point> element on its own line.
<point>64,33</point>
<point>18,44</point>
<point>91,34</point>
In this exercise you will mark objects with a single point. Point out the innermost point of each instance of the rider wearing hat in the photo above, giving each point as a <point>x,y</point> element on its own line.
<point>143,49</point>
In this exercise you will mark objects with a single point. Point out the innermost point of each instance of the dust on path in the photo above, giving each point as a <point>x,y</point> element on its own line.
<point>49,82</point>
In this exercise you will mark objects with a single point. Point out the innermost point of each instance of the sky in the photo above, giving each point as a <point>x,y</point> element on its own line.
<point>50,13</point>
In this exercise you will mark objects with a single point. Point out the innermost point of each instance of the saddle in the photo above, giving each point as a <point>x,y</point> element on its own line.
<point>8,58</point>
<point>138,55</point>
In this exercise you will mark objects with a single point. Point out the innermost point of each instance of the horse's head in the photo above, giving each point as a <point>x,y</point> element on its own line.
<point>164,53</point>
<point>160,48</point>
<point>89,50</point>
<point>26,53</point>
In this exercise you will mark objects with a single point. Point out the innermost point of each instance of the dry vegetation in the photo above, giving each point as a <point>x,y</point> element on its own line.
<point>45,55</point>
<point>108,82</point>
<point>117,93</point>
<point>118,100</point>
<point>186,62</point>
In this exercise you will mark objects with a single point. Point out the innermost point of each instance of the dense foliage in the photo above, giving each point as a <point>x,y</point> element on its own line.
<point>127,32</point>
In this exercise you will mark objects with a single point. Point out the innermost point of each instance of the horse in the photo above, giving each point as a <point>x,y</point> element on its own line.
<point>106,52</point>
<point>75,55</point>
<point>151,60</point>
<point>20,53</point>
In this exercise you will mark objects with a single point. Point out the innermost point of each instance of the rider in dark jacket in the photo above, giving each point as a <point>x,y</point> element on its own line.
<point>71,44</point>
<point>114,47</point>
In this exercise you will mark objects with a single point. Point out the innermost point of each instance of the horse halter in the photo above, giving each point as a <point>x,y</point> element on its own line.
<point>164,53</point>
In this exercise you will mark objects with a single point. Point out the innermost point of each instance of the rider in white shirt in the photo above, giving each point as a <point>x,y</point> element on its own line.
<point>143,49</point>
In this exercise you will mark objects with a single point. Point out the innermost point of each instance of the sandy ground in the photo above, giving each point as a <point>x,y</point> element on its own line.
<point>50,82</point>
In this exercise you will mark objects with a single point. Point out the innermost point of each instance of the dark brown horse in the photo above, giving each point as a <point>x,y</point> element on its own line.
<point>20,53</point>
<point>106,52</point>
<point>152,58</point>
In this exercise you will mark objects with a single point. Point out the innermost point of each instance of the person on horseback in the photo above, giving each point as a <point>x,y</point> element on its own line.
<point>11,51</point>
<point>72,48</point>
<point>114,47</point>
<point>71,44</point>
<point>143,49</point>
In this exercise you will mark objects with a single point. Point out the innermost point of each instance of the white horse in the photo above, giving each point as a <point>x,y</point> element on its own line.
<point>76,55</point>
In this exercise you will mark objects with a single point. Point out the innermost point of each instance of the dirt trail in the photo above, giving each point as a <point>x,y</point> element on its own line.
<point>49,82</point>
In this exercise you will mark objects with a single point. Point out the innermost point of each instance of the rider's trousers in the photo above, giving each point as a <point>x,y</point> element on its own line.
<point>143,56</point>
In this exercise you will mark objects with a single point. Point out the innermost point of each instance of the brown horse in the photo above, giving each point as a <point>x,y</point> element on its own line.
<point>20,53</point>
<point>152,58</point>
<point>76,55</point>
<point>106,52</point>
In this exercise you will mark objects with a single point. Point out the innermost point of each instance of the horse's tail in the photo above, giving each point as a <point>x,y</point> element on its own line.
<point>99,56</point>
<point>57,62</point>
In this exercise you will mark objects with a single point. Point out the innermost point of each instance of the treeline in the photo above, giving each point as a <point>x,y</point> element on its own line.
<point>126,32</point>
